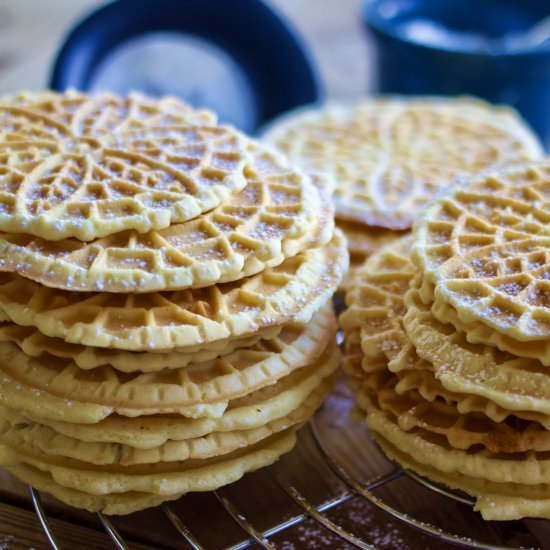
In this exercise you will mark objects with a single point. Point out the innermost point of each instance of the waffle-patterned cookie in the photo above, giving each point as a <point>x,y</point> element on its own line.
<point>375,300</point>
<point>529,468</point>
<point>364,240</point>
<point>425,383</point>
<point>293,291</point>
<point>462,431</point>
<point>428,455</point>
<point>119,490</point>
<point>478,332</point>
<point>279,213</point>
<point>18,432</point>
<point>390,156</point>
<point>516,384</point>
<point>244,413</point>
<point>485,250</point>
<point>416,375</point>
<point>34,344</point>
<point>67,393</point>
<point>88,167</point>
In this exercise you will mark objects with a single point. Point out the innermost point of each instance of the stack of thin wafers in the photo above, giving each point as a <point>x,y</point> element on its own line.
<point>165,296</point>
<point>390,156</point>
<point>448,346</point>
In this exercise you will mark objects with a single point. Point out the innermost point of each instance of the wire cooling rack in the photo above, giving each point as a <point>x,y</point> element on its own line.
<point>340,492</point>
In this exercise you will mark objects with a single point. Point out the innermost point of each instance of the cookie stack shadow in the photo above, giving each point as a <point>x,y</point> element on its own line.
<point>165,298</point>
<point>448,343</point>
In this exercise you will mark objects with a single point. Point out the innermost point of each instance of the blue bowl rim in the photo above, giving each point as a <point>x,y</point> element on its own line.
<point>61,74</point>
<point>367,5</point>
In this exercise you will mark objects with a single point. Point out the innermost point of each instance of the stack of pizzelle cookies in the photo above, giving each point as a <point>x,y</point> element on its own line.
<point>448,346</point>
<point>165,296</point>
<point>390,156</point>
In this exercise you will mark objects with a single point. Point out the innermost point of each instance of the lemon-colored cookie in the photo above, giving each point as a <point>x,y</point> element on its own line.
<point>20,433</point>
<point>495,501</point>
<point>162,321</point>
<point>34,344</point>
<point>509,497</point>
<point>101,490</point>
<point>364,240</point>
<point>162,478</point>
<point>462,431</point>
<point>49,387</point>
<point>478,332</point>
<point>250,411</point>
<point>485,250</point>
<point>391,156</point>
<point>279,213</point>
<point>375,300</point>
<point>88,167</point>
<point>514,383</point>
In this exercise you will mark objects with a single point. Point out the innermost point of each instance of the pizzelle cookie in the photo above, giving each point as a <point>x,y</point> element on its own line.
<point>467,415</point>
<point>165,299</point>
<point>21,433</point>
<point>364,240</point>
<point>462,431</point>
<point>391,156</point>
<point>85,167</point>
<point>34,344</point>
<point>484,250</point>
<point>478,379</point>
<point>250,411</point>
<point>280,213</point>
<point>486,477</point>
<point>375,300</point>
<point>291,292</point>
<point>68,393</point>
<point>105,492</point>
<point>512,382</point>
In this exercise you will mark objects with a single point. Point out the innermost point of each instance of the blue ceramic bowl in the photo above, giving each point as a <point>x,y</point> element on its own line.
<point>450,47</point>
<point>238,57</point>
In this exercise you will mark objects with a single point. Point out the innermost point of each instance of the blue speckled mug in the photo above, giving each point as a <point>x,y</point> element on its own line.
<point>474,47</point>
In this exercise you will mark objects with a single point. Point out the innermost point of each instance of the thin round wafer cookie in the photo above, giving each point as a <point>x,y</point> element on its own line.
<point>244,413</point>
<point>192,476</point>
<point>478,332</point>
<point>364,240</point>
<point>462,431</point>
<point>18,432</point>
<point>485,250</point>
<point>375,300</point>
<point>116,504</point>
<point>279,213</point>
<point>390,156</point>
<point>68,174</point>
<point>34,344</point>
<point>517,384</point>
<point>495,501</point>
<point>415,375</point>
<point>161,478</point>
<point>529,469</point>
<point>70,394</point>
<point>425,383</point>
<point>290,292</point>
<point>510,382</point>
<point>109,113</point>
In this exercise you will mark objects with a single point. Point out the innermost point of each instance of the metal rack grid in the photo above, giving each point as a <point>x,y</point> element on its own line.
<point>317,512</point>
